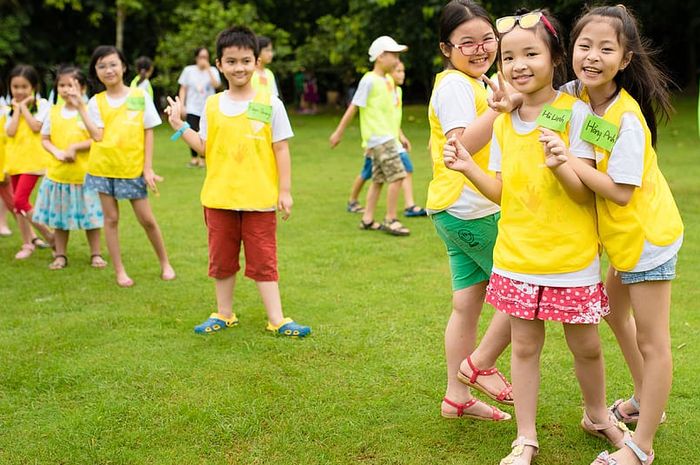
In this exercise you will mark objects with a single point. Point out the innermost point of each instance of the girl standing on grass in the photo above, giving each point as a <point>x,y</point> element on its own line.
<point>546,264</point>
<point>144,70</point>
<point>638,221</point>
<point>63,203</point>
<point>120,121</point>
<point>25,158</point>
<point>464,219</point>
<point>5,185</point>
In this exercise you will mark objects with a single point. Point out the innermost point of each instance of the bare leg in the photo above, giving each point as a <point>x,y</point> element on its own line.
<point>392,199</point>
<point>4,227</point>
<point>270,293</point>
<point>144,214</point>
<point>407,186</point>
<point>372,198</point>
<point>60,247</point>
<point>110,209</point>
<point>25,229</point>
<point>44,230</point>
<point>224,296</point>
<point>356,188</point>
<point>93,238</point>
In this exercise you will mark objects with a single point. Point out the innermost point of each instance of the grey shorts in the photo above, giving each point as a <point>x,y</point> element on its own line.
<point>386,163</point>
<point>120,189</point>
<point>664,272</point>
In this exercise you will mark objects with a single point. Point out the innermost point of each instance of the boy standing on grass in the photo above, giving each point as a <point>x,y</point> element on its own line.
<point>376,99</point>
<point>243,134</point>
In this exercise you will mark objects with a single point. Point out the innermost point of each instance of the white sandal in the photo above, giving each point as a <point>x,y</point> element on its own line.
<point>516,455</point>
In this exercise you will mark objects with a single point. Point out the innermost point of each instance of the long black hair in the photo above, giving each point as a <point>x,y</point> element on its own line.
<point>457,12</point>
<point>143,66</point>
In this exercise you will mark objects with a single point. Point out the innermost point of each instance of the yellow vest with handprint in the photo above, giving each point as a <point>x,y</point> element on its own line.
<point>64,132</point>
<point>542,230</point>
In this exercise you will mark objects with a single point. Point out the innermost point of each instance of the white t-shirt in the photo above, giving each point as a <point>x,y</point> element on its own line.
<point>281,128</point>
<point>42,110</point>
<point>453,101</point>
<point>198,84</point>
<point>579,148</point>
<point>151,118</point>
<point>359,99</point>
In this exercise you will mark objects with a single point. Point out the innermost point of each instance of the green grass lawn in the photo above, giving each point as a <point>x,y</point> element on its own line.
<point>94,374</point>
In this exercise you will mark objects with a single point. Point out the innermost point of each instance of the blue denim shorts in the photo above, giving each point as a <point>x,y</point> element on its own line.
<point>366,172</point>
<point>664,272</point>
<point>120,189</point>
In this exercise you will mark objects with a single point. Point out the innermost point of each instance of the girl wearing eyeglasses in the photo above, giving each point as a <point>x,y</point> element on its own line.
<point>464,219</point>
<point>638,220</point>
<point>546,264</point>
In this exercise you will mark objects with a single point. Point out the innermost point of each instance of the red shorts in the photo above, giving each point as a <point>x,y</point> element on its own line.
<point>572,305</point>
<point>227,229</point>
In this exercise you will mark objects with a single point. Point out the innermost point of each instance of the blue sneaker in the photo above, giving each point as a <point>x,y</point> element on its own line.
<point>216,322</point>
<point>289,328</point>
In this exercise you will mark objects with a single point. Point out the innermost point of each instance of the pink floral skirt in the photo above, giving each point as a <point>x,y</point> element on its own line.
<point>572,305</point>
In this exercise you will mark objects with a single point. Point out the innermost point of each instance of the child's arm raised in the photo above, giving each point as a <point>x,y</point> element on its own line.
<point>344,121</point>
<point>557,156</point>
<point>189,135</point>
<point>457,158</point>
<point>34,124</point>
<point>284,171</point>
<point>75,98</point>
<point>11,128</point>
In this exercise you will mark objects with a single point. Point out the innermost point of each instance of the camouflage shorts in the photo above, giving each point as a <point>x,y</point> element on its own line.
<point>387,166</point>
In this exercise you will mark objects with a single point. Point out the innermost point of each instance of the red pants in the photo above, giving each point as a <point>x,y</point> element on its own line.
<point>23,185</point>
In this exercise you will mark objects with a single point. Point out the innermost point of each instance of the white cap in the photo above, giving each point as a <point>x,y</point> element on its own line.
<point>384,44</point>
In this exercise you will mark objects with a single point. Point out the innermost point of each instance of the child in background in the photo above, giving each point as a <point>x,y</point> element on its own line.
<point>263,76</point>
<point>5,185</point>
<point>63,203</point>
<point>120,121</point>
<point>245,181</point>
<point>376,100</point>
<point>638,221</point>
<point>144,70</point>
<point>546,264</point>
<point>411,209</point>
<point>25,158</point>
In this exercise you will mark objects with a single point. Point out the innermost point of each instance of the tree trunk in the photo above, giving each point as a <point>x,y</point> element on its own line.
<point>121,17</point>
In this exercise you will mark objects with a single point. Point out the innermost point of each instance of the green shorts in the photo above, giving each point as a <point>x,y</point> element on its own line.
<point>469,246</point>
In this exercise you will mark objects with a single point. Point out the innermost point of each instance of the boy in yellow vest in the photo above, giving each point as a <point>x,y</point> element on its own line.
<point>243,135</point>
<point>376,99</point>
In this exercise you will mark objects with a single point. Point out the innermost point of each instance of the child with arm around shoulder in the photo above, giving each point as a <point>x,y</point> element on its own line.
<point>546,264</point>
<point>639,223</point>
<point>245,182</point>
<point>120,121</point>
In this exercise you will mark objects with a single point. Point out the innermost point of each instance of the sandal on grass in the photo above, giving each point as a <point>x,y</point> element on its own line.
<point>59,262</point>
<point>630,418</point>
<point>97,261</point>
<point>216,322</point>
<point>354,207</point>
<point>39,243</point>
<point>504,396</point>
<point>496,414</point>
<point>414,210</point>
<point>25,251</point>
<point>599,429</point>
<point>395,228</point>
<point>518,448</point>
<point>604,458</point>
<point>371,226</point>
<point>288,328</point>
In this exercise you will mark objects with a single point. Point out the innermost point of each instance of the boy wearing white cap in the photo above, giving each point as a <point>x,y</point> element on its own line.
<point>376,99</point>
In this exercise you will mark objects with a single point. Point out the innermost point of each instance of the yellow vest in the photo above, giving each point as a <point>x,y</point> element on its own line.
<point>65,132</point>
<point>241,165</point>
<point>120,153</point>
<point>542,230</point>
<point>3,138</point>
<point>446,185</point>
<point>24,152</point>
<point>378,118</point>
<point>267,81</point>
<point>398,114</point>
<point>651,213</point>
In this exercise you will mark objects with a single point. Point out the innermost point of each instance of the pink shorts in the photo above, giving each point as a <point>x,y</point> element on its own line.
<point>571,305</point>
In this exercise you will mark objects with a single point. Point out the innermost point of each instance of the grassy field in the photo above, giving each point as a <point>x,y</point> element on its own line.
<point>94,374</point>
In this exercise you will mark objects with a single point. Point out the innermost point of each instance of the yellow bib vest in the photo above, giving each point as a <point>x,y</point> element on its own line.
<point>65,132</point>
<point>542,230</point>
<point>446,185</point>
<point>24,152</point>
<point>135,85</point>
<point>121,152</point>
<point>651,213</point>
<point>378,117</point>
<point>3,139</point>
<point>398,114</point>
<point>241,165</point>
<point>267,82</point>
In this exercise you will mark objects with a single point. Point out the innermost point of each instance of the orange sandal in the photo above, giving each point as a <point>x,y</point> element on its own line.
<point>472,382</point>
<point>496,414</point>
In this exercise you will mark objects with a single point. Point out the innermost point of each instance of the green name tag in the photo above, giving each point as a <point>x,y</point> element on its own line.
<point>599,132</point>
<point>260,112</point>
<point>135,103</point>
<point>554,118</point>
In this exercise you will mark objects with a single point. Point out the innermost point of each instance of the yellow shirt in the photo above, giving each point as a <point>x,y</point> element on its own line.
<point>241,165</point>
<point>267,81</point>
<point>446,185</point>
<point>65,132</point>
<point>651,214</point>
<point>23,152</point>
<point>3,138</point>
<point>377,117</point>
<point>121,152</point>
<point>542,230</point>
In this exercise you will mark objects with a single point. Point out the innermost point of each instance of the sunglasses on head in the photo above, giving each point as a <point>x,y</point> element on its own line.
<point>526,21</point>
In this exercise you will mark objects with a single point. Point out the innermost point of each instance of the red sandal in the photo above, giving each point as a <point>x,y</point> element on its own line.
<point>496,414</point>
<point>472,382</point>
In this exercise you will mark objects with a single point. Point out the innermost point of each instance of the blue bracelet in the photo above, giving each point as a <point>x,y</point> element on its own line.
<point>179,132</point>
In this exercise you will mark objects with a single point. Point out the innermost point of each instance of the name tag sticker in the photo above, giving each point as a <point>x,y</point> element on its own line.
<point>135,103</point>
<point>260,112</point>
<point>554,118</point>
<point>599,132</point>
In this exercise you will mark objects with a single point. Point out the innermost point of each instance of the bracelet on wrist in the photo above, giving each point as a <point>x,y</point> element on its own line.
<point>185,126</point>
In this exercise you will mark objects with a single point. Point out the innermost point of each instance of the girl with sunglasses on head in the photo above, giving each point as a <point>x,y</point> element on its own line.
<point>638,221</point>
<point>464,219</point>
<point>546,264</point>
